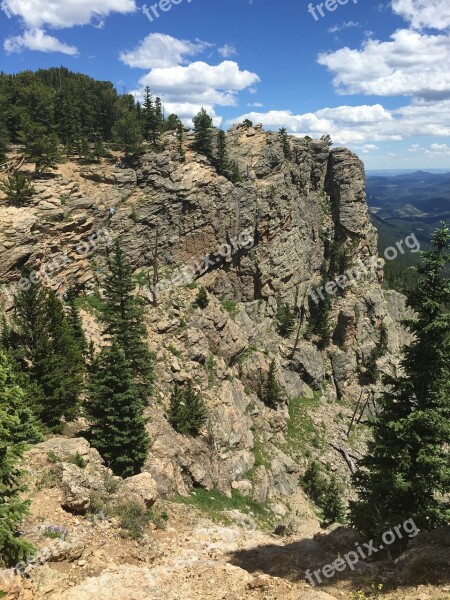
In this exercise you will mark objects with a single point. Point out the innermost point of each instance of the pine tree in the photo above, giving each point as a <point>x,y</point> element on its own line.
<point>4,141</point>
<point>406,473</point>
<point>180,139</point>
<point>148,113</point>
<point>202,130</point>
<point>172,123</point>
<point>285,320</point>
<point>115,410</point>
<point>48,358</point>
<point>270,389</point>
<point>187,412</point>
<point>331,504</point>
<point>285,143</point>
<point>127,133</point>
<point>74,320</point>
<point>17,427</point>
<point>17,188</point>
<point>40,147</point>
<point>221,158</point>
<point>202,299</point>
<point>123,317</point>
<point>235,173</point>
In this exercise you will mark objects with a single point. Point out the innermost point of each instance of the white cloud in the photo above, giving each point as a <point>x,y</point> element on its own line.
<point>227,50</point>
<point>159,50</point>
<point>343,26</point>
<point>57,14</point>
<point>185,88</point>
<point>255,104</point>
<point>424,13</point>
<point>409,64</point>
<point>362,125</point>
<point>37,40</point>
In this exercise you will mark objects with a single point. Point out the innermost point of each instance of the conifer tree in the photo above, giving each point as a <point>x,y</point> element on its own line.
<point>331,504</point>
<point>221,158</point>
<point>187,412</point>
<point>406,473</point>
<point>285,320</point>
<point>127,133</point>
<point>202,130</point>
<point>17,427</point>
<point>172,123</point>
<point>40,147</point>
<point>270,392</point>
<point>123,318</point>
<point>17,188</point>
<point>115,410</point>
<point>285,143</point>
<point>4,140</point>
<point>180,139</point>
<point>235,173</point>
<point>48,357</point>
<point>74,319</point>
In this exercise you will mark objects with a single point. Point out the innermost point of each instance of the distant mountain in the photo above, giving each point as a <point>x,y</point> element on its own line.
<point>404,203</point>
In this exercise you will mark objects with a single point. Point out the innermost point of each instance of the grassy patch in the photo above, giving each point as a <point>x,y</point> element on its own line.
<point>302,434</point>
<point>214,504</point>
<point>231,307</point>
<point>92,303</point>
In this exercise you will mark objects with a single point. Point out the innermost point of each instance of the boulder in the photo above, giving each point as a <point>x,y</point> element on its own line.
<point>141,486</point>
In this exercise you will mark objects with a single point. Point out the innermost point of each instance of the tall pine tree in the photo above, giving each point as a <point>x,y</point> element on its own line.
<point>406,473</point>
<point>17,427</point>
<point>124,320</point>
<point>115,410</point>
<point>202,130</point>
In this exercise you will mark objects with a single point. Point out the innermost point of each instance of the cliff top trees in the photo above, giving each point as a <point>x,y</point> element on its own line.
<point>40,147</point>
<point>406,473</point>
<point>202,129</point>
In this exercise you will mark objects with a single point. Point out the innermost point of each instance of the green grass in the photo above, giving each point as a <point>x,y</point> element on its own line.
<point>213,504</point>
<point>230,306</point>
<point>302,434</point>
<point>91,303</point>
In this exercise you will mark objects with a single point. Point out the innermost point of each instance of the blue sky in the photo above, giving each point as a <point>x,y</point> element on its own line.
<point>373,74</point>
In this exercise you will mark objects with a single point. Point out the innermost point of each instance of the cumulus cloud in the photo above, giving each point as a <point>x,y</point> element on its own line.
<point>362,125</point>
<point>345,25</point>
<point>185,88</point>
<point>424,13</point>
<point>159,50</point>
<point>409,64</point>
<point>37,40</point>
<point>56,14</point>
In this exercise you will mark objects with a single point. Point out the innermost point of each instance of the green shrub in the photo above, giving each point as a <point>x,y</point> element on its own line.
<point>187,412</point>
<point>17,188</point>
<point>133,518</point>
<point>78,460</point>
<point>285,320</point>
<point>202,299</point>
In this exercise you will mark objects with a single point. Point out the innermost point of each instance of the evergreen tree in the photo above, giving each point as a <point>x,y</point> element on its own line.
<point>180,139</point>
<point>270,392</point>
<point>406,473</point>
<point>187,412</point>
<point>332,506</point>
<point>17,188</point>
<point>202,299</point>
<point>115,411</point>
<point>123,317</point>
<point>285,320</point>
<point>221,158</point>
<point>40,147</point>
<point>202,130</point>
<point>4,140</point>
<point>127,133</point>
<point>74,319</point>
<point>17,427</point>
<point>235,173</point>
<point>172,123</point>
<point>47,355</point>
<point>285,143</point>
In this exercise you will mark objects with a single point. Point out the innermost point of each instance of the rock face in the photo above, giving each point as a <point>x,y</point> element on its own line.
<point>254,245</point>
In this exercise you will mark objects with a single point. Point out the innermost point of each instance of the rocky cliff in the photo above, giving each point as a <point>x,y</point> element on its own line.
<point>256,245</point>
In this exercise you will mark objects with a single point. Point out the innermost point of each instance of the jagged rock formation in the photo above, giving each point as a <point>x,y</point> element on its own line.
<point>300,215</point>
